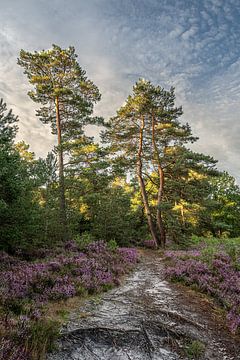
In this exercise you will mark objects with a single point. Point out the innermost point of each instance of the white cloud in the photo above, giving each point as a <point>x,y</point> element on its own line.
<point>194,47</point>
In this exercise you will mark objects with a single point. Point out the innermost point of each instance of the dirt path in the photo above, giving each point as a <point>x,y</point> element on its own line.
<point>146,318</point>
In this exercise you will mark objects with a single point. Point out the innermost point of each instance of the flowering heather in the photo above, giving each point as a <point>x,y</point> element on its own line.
<point>128,256</point>
<point>182,253</point>
<point>12,347</point>
<point>59,277</point>
<point>26,286</point>
<point>216,275</point>
<point>27,338</point>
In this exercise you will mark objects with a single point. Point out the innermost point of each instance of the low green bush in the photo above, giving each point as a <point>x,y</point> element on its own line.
<point>195,350</point>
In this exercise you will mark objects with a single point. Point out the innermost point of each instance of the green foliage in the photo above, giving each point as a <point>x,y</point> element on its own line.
<point>231,246</point>
<point>56,74</point>
<point>67,97</point>
<point>184,193</point>
<point>195,349</point>
<point>8,126</point>
<point>63,313</point>
<point>225,214</point>
<point>148,141</point>
<point>113,217</point>
<point>20,214</point>
<point>112,245</point>
<point>47,196</point>
<point>84,240</point>
<point>187,191</point>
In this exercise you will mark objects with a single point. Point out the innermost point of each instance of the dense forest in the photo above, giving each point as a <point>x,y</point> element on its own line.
<point>141,185</point>
<point>141,182</point>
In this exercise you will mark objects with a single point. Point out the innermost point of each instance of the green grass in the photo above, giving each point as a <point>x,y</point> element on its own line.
<point>231,246</point>
<point>42,339</point>
<point>63,313</point>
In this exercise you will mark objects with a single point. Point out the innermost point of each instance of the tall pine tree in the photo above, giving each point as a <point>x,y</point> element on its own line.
<point>142,133</point>
<point>66,96</point>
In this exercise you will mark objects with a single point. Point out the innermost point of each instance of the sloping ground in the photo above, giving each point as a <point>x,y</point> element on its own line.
<point>146,318</point>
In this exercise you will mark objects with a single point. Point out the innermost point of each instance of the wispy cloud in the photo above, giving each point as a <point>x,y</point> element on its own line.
<point>193,45</point>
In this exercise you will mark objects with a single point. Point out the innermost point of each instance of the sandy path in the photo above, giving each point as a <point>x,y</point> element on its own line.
<point>146,318</point>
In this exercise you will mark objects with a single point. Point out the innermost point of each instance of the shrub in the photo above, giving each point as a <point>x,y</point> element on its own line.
<point>84,240</point>
<point>112,245</point>
<point>195,349</point>
<point>214,270</point>
<point>26,287</point>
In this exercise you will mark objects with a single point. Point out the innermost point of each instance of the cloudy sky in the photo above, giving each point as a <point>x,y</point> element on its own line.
<point>193,45</point>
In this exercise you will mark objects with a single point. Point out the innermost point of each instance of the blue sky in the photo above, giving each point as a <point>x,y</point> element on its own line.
<point>193,45</point>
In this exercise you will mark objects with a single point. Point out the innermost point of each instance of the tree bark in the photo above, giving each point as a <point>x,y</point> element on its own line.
<point>62,200</point>
<point>160,224</point>
<point>142,185</point>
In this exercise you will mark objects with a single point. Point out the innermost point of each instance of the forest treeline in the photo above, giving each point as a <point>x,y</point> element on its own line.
<point>142,182</point>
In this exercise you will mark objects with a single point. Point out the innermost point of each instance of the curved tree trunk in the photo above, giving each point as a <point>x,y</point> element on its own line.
<point>142,186</point>
<point>160,223</point>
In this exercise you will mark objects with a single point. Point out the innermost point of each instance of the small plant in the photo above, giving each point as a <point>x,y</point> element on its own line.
<point>84,240</point>
<point>112,245</point>
<point>81,291</point>
<point>43,335</point>
<point>208,254</point>
<point>232,250</point>
<point>63,314</point>
<point>195,350</point>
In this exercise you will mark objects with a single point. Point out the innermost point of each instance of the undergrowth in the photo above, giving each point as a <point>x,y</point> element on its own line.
<point>212,266</point>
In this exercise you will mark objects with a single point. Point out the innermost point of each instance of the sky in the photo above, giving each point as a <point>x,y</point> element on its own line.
<point>193,45</point>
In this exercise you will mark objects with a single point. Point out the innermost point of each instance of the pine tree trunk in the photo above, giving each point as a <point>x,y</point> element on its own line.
<point>62,201</point>
<point>142,187</point>
<point>160,224</point>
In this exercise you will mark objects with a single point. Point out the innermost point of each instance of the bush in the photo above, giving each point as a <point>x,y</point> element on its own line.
<point>214,268</point>
<point>25,287</point>
<point>112,245</point>
<point>195,349</point>
<point>84,240</point>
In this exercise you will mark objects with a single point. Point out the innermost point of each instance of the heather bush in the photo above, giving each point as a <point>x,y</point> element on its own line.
<point>214,269</point>
<point>27,287</point>
<point>59,277</point>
